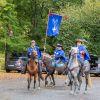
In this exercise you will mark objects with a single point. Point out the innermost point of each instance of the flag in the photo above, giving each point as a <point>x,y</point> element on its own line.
<point>53,25</point>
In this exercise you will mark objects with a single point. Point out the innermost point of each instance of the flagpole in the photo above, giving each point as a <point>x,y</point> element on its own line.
<point>45,44</point>
<point>46,33</point>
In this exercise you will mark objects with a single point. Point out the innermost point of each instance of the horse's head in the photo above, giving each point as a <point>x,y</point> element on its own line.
<point>34,55</point>
<point>73,61</point>
<point>46,58</point>
<point>74,51</point>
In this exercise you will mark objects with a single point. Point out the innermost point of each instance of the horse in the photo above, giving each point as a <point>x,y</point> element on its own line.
<point>75,71</point>
<point>50,68</point>
<point>74,68</point>
<point>33,69</point>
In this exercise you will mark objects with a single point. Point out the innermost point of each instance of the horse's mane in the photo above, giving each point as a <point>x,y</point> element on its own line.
<point>46,55</point>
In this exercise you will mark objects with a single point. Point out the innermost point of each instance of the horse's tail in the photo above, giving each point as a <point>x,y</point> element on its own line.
<point>89,81</point>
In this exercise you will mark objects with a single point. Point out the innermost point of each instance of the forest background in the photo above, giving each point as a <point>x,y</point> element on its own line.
<point>24,20</point>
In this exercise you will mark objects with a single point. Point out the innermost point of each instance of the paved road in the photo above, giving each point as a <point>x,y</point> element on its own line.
<point>16,89</point>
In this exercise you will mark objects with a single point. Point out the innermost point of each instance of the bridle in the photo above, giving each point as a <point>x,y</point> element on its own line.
<point>73,54</point>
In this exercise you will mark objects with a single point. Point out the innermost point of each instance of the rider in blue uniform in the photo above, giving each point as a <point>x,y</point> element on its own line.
<point>59,55</point>
<point>83,53</point>
<point>37,49</point>
<point>34,47</point>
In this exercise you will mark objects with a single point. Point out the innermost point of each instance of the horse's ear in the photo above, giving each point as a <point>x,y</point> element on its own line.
<point>77,49</point>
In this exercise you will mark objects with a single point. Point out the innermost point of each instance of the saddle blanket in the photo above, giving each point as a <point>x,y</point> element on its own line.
<point>58,65</point>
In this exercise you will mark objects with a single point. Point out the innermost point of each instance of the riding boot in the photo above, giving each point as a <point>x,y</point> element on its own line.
<point>82,67</point>
<point>83,71</point>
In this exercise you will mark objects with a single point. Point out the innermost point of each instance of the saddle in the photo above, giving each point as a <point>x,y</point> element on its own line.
<point>58,64</point>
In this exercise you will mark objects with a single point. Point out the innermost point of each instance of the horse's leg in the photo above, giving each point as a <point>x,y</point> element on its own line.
<point>75,85</point>
<point>71,81</point>
<point>46,82</point>
<point>50,80</point>
<point>29,80</point>
<point>53,79</point>
<point>35,75</point>
<point>86,82</point>
<point>79,80</point>
<point>68,79</point>
<point>66,73</point>
<point>87,74</point>
<point>75,81</point>
<point>39,81</point>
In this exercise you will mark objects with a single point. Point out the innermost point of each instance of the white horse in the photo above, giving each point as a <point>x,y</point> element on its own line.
<point>75,71</point>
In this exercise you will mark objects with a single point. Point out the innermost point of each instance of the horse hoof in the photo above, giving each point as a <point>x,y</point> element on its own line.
<point>38,88</point>
<point>85,92</point>
<point>78,92</point>
<point>51,83</point>
<point>71,92</point>
<point>66,82</point>
<point>46,85</point>
<point>74,94</point>
<point>53,86</point>
<point>28,88</point>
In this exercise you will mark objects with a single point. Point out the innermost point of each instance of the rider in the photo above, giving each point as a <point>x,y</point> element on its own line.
<point>83,53</point>
<point>59,54</point>
<point>34,47</point>
<point>37,49</point>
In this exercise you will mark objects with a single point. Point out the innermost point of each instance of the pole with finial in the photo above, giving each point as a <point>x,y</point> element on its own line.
<point>45,42</point>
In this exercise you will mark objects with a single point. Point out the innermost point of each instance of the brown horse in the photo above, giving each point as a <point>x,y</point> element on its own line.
<point>47,61</point>
<point>33,69</point>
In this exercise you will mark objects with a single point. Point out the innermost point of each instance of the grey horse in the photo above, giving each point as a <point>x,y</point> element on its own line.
<point>75,71</point>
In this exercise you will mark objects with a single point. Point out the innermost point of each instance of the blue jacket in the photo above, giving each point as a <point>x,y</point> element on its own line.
<point>60,55</point>
<point>30,49</point>
<point>83,48</point>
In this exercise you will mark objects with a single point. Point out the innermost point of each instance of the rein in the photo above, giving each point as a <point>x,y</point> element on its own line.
<point>74,54</point>
<point>73,68</point>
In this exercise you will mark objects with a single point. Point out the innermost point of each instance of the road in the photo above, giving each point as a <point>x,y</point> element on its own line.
<point>13,86</point>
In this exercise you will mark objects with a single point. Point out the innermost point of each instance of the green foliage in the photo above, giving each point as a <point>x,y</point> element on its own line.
<point>24,20</point>
<point>2,61</point>
<point>83,22</point>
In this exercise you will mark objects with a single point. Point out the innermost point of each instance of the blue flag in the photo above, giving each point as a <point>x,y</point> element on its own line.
<point>53,24</point>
